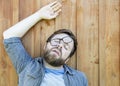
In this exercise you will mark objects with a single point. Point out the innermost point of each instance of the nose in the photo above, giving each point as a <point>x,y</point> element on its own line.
<point>60,45</point>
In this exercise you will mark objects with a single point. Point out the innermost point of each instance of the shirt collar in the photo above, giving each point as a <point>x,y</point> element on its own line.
<point>68,70</point>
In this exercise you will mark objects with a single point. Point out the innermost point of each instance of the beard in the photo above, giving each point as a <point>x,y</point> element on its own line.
<point>53,59</point>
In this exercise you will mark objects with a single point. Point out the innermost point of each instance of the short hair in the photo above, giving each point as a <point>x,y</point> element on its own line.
<point>68,32</point>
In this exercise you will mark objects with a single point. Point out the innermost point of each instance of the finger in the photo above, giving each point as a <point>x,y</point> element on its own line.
<point>53,3</point>
<point>57,4</point>
<point>56,8</point>
<point>58,11</point>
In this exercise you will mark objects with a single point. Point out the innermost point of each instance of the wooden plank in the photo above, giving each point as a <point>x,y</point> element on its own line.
<point>36,32</point>
<point>102,23</point>
<point>8,17</point>
<point>87,34</point>
<point>109,43</point>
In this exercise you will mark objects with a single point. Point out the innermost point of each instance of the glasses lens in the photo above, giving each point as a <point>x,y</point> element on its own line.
<point>67,39</point>
<point>55,42</point>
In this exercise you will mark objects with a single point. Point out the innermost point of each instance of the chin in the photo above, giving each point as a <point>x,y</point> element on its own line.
<point>53,59</point>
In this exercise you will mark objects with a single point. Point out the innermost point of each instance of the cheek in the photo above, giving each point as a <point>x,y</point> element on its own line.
<point>48,46</point>
<point>65,53</point>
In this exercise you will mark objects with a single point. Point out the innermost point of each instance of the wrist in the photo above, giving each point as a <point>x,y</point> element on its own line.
<point>39,15</point>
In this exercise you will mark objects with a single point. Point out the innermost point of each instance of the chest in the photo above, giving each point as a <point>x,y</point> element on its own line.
<point>52,80</point>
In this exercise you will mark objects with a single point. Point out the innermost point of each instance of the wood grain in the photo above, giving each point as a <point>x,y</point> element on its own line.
<point>95,24</point>
<point>109,42</point>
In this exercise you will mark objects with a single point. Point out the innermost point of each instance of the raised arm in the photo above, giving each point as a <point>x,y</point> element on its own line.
<point>13,46</point>
<point>49,11</point>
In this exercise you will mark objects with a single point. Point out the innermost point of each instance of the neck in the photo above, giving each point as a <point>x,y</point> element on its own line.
<point>51,67</point>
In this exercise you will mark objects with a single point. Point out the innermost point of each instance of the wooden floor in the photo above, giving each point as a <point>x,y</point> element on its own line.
<point>96,23</point>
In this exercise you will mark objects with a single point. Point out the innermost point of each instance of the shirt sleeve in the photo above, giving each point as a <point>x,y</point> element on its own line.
<point>17,53</point>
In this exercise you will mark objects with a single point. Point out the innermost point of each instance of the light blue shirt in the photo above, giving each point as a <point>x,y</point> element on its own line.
<point>53,77</point>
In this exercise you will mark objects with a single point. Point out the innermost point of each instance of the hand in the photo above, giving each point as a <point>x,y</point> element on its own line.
<point>50,11</point>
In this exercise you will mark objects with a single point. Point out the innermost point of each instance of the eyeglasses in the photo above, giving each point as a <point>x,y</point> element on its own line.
<point>56,41</point>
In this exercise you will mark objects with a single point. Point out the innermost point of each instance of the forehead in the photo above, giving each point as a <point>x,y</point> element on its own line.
<point>61,35</point>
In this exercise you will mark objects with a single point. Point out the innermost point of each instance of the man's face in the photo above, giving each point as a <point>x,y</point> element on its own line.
<point>58,49</point>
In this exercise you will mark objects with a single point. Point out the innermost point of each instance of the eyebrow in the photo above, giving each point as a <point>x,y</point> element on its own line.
<point>61,38</point>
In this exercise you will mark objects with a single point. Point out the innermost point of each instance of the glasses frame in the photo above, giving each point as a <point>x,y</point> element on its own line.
<point>60,39</point>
